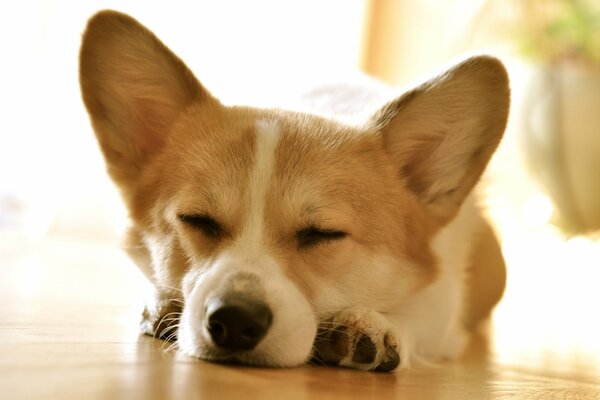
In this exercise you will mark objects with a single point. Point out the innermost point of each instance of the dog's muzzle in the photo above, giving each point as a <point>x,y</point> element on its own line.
<point>243,317</point>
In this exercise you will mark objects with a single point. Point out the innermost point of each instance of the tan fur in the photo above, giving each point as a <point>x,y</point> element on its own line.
<point>394,185</point>
<point>344,172</point>
<point>334,180</point>
<point>486,278</point>
<point>470,99</point>
<point>139,100</point>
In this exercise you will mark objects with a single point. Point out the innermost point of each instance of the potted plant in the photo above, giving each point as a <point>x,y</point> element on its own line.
<point>562,129</point>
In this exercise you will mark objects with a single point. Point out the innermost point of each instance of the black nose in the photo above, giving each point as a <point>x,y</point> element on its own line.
<point>237,324</point>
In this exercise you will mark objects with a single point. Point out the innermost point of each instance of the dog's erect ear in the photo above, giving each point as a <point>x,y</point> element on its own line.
<point>134,89</point>
<point>442,134</point>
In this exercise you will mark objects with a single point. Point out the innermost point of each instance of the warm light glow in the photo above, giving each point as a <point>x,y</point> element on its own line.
<point>550,306</point>
<point>29,275</point>
<point>537,211</point>
<point>547,316</point>
<point>52,175</point>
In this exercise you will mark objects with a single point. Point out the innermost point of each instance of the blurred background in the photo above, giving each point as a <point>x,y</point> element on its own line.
<point>542,190</point>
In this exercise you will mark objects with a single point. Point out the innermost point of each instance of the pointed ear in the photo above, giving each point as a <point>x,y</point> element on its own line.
<point>134,89</point>
<point>442,134</point>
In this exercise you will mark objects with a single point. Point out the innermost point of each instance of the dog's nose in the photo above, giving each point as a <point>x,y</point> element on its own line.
<point>237,324</point>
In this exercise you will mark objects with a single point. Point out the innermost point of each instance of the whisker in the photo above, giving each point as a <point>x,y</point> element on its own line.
<point>175,289</point>
<point>167,329</point>
<point>169,342</point>
<point>172,346</point>
<point>160,322</point>
<point>334,325</point>
<point>169,321</point>
<point>337,328</point>
<point>330,311</point>
<point>171,338</point>
<point>315,359</point>
<point>172,313</point>
<point>173,300</point>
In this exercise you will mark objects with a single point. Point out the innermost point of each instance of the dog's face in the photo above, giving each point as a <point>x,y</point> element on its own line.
<point>282,211</point>
<point>268,221</point>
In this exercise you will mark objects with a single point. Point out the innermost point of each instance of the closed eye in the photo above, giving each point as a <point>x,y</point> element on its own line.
<point>203,223</point>
<point>313,236</point>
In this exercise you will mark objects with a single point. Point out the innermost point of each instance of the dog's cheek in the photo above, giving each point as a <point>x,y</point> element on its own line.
<point>372,279</point>
<point>186,337</point>
<point>315,271</point>
<point>290,340</point>
<point>193,339</point>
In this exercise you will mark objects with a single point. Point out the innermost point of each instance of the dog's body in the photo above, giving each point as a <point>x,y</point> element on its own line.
<point>280,235</point>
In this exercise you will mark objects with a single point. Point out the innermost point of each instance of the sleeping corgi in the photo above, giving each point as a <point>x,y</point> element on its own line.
<point>275,237</point>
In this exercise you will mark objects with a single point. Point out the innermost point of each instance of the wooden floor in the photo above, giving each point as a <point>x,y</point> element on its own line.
<point>68,330</point>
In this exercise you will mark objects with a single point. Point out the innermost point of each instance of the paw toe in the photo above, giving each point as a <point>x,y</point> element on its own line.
<point>361,340</point>
<point>332,346</point>
<point>365,350</point>
<point>391,358</point>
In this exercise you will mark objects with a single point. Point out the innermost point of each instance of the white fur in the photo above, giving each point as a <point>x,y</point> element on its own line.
<point>267,137</point>
<point>430,323</point>
<point>290,338</point>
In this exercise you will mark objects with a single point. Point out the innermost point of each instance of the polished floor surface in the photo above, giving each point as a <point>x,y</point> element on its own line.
<point>68,330</point>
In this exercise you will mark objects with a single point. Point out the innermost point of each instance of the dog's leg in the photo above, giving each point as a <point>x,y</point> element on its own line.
<point>161,313</point>
<point>160,317</point>
<point>357,338</point>
<point>486,279</point>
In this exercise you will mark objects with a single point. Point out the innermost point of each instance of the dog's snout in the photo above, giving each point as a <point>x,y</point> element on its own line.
<point>237,323</point>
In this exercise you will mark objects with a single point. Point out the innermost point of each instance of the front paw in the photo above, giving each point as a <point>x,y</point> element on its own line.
<point>359,339</point>
<point>160,319</point>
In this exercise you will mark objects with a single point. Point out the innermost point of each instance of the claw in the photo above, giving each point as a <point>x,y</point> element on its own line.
<point>391,360</point>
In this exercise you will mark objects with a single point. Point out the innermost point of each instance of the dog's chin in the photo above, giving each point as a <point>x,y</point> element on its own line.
<point>248,358</point>
<point>265,354</point>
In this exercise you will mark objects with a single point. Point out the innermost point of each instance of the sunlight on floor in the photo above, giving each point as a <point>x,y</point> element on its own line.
<point>549,312</point>
<point>550,307</point>
<point>547,317</point>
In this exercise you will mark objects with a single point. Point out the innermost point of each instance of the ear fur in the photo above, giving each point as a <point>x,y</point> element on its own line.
<point>134,89</point>
<point>442,134</point>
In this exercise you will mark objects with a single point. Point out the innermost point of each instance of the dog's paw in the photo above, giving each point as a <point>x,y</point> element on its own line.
<point>359,339</point>
<point>161,318</point>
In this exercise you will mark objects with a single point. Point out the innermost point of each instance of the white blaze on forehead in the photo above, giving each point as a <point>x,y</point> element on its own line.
<point>267,137</point>
<point>294,324</point>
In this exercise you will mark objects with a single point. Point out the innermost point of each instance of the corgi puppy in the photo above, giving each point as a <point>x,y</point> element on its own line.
<point>275,237</point>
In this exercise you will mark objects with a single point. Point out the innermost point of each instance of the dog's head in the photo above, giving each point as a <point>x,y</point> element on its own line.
<point>268,220</point>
